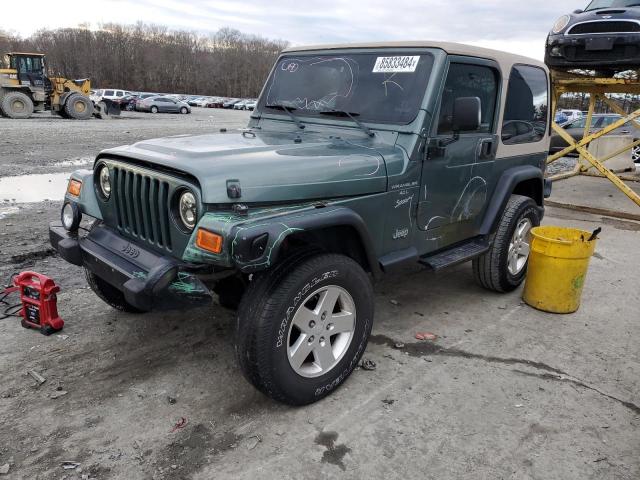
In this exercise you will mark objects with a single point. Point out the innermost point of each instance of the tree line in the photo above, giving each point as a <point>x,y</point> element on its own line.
<point>151,58</point>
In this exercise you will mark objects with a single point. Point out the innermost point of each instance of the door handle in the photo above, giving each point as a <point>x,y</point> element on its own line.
<point>485,148</point>
<point>625,131</point>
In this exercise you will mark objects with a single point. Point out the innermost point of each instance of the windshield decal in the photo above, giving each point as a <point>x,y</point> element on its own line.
<point>400,64</point>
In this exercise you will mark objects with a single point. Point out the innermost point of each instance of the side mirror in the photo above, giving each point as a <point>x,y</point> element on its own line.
<point>467,114</point>
<point>577,12</point>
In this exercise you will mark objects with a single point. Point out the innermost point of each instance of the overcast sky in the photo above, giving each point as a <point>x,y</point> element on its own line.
<point>519,26</point>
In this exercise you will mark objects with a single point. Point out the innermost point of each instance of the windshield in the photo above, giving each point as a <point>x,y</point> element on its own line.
<point>597,4</point>
<point>374,87</point>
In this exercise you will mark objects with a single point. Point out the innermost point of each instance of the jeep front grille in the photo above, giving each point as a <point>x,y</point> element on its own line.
<point>613,26</point>
<point>142,207</point>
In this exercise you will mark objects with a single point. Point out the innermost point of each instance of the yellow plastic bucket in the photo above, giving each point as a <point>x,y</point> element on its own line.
<point>558,265</point>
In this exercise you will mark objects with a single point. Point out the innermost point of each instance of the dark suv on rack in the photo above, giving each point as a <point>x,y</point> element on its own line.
<point>604,37</point>
<point>357,159</point>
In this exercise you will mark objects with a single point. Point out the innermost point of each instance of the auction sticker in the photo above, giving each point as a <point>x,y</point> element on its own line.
<point>396,64</point>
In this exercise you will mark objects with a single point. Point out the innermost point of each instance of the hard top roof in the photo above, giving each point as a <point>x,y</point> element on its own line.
<point>449,47</point>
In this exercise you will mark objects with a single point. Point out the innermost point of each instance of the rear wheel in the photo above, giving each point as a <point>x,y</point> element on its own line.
<point>79,107</point>
<point>303,326</point>
<point>504,266</point>
<point>109,294</point>
<point>635,154</point>
<point>154,109</point>
<point>16,105</point>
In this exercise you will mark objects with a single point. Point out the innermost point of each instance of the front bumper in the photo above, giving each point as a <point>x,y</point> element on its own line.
<point>602,51</point>
<point>149,281</point>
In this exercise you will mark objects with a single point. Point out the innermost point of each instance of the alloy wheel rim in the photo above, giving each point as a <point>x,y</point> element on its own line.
<point>635,154</point>
<point>519,247</point>
<point>321,331</point>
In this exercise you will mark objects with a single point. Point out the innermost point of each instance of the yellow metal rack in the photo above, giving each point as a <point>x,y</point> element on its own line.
<point>597,88</point>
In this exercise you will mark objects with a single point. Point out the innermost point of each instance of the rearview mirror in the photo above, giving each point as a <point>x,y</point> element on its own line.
<point>467,113</point>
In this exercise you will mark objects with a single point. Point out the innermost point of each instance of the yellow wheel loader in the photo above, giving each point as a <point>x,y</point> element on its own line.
<point>25,88</point>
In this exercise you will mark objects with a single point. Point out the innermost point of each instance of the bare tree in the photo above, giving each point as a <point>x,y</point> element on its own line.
<point>145,57</point>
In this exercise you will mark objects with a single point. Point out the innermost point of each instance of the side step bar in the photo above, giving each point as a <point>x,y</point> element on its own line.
<point>456,255</point>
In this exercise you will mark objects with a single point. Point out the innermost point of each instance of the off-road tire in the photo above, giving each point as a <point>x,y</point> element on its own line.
<point>266,313</point>
<point>109,294</point>
<point>78,107</point>
<point>153,109</point>
<point>11,99</point>
<point>490,269</point>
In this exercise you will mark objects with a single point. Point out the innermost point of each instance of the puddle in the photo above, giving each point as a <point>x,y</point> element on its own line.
<point>33,188</point>
<point>6,211</point>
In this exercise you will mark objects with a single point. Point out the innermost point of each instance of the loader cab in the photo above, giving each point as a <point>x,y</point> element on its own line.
<point>30,68</point>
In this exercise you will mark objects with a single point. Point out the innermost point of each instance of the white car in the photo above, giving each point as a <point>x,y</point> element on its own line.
<point>110,93</point>
<point>572,114</point>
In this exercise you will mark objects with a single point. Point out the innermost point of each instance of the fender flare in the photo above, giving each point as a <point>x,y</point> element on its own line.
<point>277,229</point>
<point>504,188</point>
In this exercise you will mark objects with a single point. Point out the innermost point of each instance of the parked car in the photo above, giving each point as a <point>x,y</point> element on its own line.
<point>250,105</point>
<point>603,37</point>
<point>598,122</point>
<point>111,94</point>
<point>291,225</point>
<point>240,105</point>
<point>128,102</point>
<point>216,102</point>
<point>160,104</point>
<point>572,114</point>
<point>230,103</point>
<point>561,118</point>
<point>141,97</point>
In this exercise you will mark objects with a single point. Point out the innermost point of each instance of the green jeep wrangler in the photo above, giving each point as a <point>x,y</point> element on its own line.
<point>357,159</point>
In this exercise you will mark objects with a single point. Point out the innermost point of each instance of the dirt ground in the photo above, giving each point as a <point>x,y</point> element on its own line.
<point>505,392</point>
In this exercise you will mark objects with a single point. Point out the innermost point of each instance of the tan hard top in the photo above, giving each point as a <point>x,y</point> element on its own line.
<point>449,47</point>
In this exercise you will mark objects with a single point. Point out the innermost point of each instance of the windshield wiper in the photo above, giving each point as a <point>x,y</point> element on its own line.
<point>288,110</point>
<point>352,116</point>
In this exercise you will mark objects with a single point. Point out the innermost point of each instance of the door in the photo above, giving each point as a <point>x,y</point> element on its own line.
<point>458,165</point>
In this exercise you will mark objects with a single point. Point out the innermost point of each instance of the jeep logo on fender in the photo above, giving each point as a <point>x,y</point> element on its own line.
<point>130,250</point>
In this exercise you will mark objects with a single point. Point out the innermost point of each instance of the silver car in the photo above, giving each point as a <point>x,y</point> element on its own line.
<point>163,104</point>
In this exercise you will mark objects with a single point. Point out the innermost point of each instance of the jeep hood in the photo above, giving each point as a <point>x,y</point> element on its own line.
<point>271,167</point>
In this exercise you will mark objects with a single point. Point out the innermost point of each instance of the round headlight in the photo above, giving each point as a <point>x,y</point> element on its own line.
<point>105,182</point>
<point>188,210</point>
<point>560,24</point>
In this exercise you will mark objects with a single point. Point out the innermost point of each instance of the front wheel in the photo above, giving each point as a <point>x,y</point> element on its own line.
<point>109,294</point>
<point>504,266</point>
<point>154,109</point>
<point>303,326</point>
<point>184,110</point>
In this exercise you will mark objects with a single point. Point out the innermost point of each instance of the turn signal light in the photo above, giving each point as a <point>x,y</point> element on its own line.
<point>74,187</point>
<point>209,241</point>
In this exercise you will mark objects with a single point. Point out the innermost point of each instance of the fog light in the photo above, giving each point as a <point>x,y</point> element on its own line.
<point>556,52</point>
<point>70,216</point>
<point>209,241</point>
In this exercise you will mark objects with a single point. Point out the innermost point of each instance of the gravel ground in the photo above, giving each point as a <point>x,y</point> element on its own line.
<point>504,392</point>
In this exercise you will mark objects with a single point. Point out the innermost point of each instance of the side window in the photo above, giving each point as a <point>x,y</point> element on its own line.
<point>466,80</point>
<point>527,106</point>
<point>119,93</point>
<point>108,93</point>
